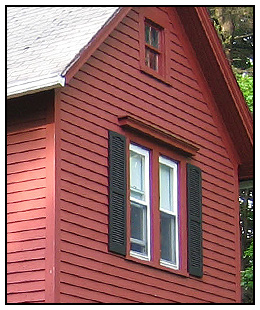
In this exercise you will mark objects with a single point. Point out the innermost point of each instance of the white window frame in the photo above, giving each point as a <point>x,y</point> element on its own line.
<point>172,164</point>
<point>146,201</point>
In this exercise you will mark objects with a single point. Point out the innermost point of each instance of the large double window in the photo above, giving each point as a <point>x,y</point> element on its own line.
<point>155,199</point>
<point>140,184</point>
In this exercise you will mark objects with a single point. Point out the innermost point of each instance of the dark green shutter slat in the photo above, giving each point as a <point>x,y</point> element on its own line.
<point>194,199</point>
<point>117,193</point>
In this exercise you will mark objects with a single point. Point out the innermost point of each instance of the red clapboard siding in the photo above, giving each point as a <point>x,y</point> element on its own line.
<point>109,85</point>
<point>26,201</point>
<point>155,279</point>
<point>135,106</point>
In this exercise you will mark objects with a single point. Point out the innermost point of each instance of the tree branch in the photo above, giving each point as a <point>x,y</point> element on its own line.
<point>244,36</point>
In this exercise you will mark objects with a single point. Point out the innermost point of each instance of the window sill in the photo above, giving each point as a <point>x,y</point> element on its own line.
<point>168,264</point>
<point>139,256</point>
<point>158,266</point>
<point>155,74</point>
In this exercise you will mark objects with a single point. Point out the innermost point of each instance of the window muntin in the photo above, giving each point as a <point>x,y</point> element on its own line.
<point>168,184</point>
<point>139,202</point>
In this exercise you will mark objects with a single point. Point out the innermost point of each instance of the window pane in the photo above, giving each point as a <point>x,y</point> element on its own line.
<point>139,201</point>
<point>138,228</point>
<point>154,37</point>
<point>168,237</point>
<point>147,34</point>
<point>147,57</point>
<point>166,187</point>
<point>151,59</point>
<point>137,175</point>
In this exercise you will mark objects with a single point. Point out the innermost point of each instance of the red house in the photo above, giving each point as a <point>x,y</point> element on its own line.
<point>124,157</point>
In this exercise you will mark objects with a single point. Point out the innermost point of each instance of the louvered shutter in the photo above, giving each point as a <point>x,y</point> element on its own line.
<point>117,193</point>
<point>194,192</point>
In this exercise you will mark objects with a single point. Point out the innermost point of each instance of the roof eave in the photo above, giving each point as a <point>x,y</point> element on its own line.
<point>246,165</point>
<point>60,79</point>
<point>26,87</point>
<point>228,74</point>
<point>221,81</point>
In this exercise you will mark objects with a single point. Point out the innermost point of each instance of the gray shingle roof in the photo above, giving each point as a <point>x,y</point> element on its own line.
<point>43,41</point>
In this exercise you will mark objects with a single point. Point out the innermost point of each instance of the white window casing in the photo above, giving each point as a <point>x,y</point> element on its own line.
<point>168,207</point>
<point>140,202</point>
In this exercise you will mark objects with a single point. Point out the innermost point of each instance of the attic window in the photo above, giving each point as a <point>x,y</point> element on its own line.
<point>152,46</point>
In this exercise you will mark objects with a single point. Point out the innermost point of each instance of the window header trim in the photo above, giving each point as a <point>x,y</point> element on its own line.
<point>153,132</point>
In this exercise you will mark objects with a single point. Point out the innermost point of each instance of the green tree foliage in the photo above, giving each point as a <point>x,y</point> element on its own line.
<point>236,31</point>
<point>246,200</point>
<point>245,83</point>
<point>235,28</point>
<point>247,275</point>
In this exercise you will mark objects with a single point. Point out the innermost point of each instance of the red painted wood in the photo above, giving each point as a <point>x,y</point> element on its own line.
<point>235,113</point>
<point>90,258</point>
<point>57,177</point>
<point>155,133</point>
<point>110,85</point>
<point>26,198</point>
<point>27,297</point>
<point>105,31</point>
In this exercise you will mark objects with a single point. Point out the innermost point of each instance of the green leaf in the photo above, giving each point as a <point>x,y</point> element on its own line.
<point>246,83</point>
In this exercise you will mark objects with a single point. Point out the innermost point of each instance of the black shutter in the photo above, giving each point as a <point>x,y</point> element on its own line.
<point>194,195</point>
<point>117,193</point>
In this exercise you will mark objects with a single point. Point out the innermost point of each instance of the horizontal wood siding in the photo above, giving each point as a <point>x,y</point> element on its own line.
<point>26,200</point>
<point>109,85</point>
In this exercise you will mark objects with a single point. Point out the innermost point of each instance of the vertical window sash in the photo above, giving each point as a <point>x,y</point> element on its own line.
<point>140,247</point>
<point>169,215</point>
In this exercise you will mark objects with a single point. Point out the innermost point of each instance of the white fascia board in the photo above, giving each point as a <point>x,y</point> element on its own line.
<point>34,85</point>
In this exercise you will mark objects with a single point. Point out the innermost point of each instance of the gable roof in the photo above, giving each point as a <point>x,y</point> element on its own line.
<point>43,42</point>
<point>43,52</point>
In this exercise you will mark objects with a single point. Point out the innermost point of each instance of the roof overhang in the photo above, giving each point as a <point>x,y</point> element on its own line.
<point>223,85</point>
<point>213,62</point>
<point>59,79</point>
<point>34,85</point>
<point>90,48</point>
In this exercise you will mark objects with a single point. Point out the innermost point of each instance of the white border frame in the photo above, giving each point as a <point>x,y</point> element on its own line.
<point>174,165</point>
<point>146,154</point>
